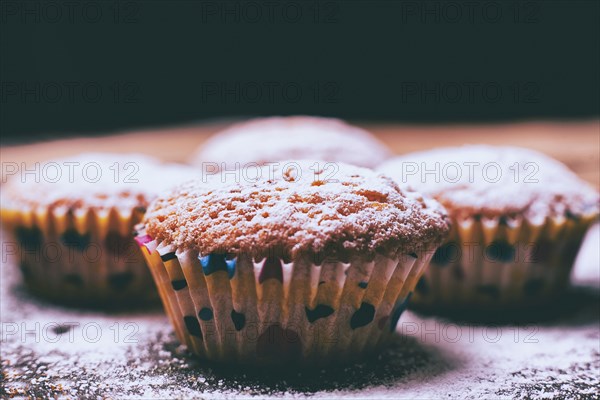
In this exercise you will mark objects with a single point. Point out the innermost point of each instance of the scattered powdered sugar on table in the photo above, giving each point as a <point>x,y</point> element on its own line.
<point>134,354</point>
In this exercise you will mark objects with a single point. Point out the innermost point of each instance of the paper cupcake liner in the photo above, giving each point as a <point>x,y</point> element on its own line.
<point>271,311</point>
<point>502,262</point>
<point>88,257</point>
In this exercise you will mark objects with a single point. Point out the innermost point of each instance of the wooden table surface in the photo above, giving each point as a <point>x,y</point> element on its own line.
<point>577,144</point>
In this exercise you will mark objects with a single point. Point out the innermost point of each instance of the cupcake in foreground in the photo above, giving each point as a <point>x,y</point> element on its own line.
<point>519,218</point>
<point>265,140</point>
<point>299,264</point>
<point>72,225</point>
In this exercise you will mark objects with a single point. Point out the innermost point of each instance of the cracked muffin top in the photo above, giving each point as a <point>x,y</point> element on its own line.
<point>297,207</point>
<point>490,181</point>
<point>265,140</point>
<point>93,180</point>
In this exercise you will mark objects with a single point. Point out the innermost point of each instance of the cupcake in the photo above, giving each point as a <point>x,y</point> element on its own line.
<point>72,223</point>
<point>263,140</point>
<point>519,218</point>
<point>296,265</point>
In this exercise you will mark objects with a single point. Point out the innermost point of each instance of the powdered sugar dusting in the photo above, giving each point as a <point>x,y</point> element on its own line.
<point>556,355</point>
<point>298,206</point>
<point>98,180</point>
<point>266,140</point>
<point>494,181</point>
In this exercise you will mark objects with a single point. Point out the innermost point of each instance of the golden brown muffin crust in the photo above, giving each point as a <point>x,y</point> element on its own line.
<point>298,207</point>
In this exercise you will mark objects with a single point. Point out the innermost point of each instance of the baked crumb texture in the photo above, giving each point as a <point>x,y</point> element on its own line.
<point>305,264</point>
<point>514,241</point>
<point>265,140</point>
<point>298,207</point>
<point>72,236</point>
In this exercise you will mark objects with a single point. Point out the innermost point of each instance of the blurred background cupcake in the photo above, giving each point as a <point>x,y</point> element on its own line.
<point>519,218</point>
<point>72,225</point>
<point>299,264</point>
<point>264,140</point>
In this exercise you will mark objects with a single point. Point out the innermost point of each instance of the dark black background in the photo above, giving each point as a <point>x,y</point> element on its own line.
<point>99,66</point>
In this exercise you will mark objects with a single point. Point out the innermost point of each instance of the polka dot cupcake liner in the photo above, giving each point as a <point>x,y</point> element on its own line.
<point>502,263</point>
<point>86,257</point>
<point>271,311</point>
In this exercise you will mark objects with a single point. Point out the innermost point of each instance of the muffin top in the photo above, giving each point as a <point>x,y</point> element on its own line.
<point>264,140</point>
<point>297,207</point>
<point>479,180</point>
<point>93,180</point>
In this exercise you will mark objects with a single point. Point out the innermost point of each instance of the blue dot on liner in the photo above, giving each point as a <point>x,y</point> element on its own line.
<point>217,262</point>
<point>500,251</point>
<point>168,256</point>
<point>363,316</point>
<point>72,238</point>
<point>569,214</point>
<point>179,284</point>
<point>193,326</point>
<point>206,314</point>
<point>239,320</point>
<point>445,254</point>
<point>362,285</point>
<point>400,308</point>
<point>422,286</point>
<point>320,311</point>
<point>30,238</point>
